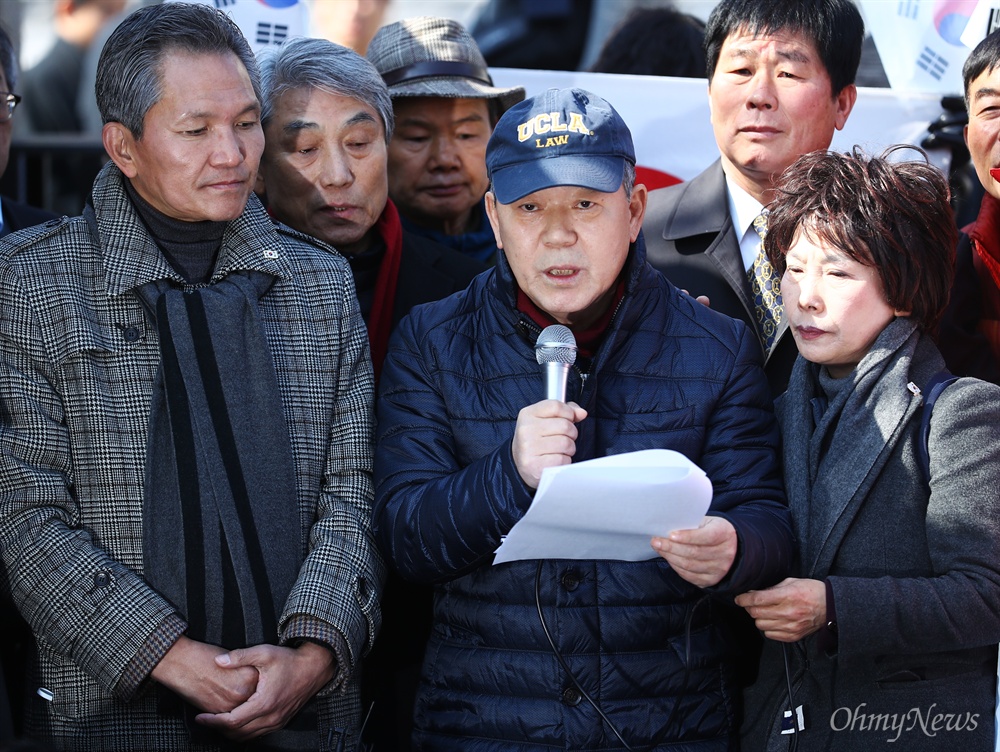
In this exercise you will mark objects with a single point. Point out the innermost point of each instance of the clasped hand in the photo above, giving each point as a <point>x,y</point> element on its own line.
<point>245,693</point>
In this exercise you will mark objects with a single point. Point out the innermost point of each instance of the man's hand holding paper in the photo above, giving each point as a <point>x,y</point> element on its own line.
<point>702,556</point>
<point>611,507</point>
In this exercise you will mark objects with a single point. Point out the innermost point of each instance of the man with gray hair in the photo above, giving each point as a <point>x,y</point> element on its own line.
<point>185,442</point>
<point>327,121</point>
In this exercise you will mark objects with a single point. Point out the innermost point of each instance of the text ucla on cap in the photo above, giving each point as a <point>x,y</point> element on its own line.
<point>559,137</point>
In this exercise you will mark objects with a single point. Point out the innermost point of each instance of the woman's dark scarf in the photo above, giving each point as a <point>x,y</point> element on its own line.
<point>825,462</point>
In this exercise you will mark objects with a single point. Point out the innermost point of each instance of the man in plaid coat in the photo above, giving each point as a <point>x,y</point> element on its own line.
<point>185,430</point>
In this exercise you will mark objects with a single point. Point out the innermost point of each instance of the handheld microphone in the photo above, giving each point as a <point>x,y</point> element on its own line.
<point>555,351</point>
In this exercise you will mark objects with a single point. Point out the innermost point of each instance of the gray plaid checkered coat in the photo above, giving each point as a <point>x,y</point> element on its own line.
<point>78,359</point>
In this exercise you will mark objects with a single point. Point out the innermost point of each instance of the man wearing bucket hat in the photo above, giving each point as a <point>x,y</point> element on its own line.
<point>445,106</point>
<point>573,654</point>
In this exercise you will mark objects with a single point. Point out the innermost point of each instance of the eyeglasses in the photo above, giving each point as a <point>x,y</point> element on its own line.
<point>8,102</point>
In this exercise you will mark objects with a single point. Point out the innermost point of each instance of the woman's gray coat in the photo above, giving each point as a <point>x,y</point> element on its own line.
<point>915,573</point>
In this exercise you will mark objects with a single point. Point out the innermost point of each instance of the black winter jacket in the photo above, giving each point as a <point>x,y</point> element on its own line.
<point>670,373</point>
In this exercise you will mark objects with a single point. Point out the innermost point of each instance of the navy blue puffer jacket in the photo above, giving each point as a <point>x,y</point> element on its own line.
<point>670,373</point>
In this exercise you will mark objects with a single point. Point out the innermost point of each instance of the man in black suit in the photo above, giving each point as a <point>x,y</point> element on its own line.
<point>13,215</point>
<point>780,81</point>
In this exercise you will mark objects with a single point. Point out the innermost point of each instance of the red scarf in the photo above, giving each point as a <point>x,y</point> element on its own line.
<point>587,340</point>
<point>985,235</point>
<point>390,229</point>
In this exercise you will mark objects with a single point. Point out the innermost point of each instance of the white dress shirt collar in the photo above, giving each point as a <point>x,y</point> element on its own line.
<point>743,209</point>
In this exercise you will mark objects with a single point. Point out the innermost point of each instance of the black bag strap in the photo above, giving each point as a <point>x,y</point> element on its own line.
<point>932,390</point>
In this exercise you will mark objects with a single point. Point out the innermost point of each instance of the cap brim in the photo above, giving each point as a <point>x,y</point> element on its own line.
<point>599,173</point>
<point>457,87</point>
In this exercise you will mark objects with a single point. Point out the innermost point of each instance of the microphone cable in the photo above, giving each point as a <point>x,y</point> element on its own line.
<point>579,688</point>
<point>793,743</point>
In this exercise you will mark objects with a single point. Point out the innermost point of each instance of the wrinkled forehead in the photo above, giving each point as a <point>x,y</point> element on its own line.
<point>180,69</point>
<point>303,108</point>
<point>179,61</point>
<point>785,37</point>
<point>988,81</point>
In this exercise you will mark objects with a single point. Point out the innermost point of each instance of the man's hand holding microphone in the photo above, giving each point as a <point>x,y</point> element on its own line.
<point>545,435</point>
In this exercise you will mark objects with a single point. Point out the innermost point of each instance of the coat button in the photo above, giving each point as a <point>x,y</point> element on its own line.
<point>571,696</point>
<point>102,579</point>
<point>131,334</point>
<point>570,580</point>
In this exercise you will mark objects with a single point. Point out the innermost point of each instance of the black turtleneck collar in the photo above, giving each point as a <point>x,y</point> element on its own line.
<point>191,248</point>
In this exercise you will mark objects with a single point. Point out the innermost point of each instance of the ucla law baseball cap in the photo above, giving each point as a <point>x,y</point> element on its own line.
<point>560,137</point>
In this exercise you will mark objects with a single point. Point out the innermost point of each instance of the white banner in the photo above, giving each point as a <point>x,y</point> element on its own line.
<point>670,124</point>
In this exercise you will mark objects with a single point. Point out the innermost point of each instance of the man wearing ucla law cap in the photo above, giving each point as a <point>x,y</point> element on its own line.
<point>574,654</point>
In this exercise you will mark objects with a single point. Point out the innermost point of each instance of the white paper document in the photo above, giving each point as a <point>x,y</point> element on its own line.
<point>609,508</point>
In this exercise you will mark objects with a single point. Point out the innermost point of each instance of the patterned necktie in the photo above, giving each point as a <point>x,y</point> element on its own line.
<point>766,287</point>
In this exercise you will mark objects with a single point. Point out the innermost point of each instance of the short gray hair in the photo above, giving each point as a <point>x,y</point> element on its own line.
<point>628,179</point>
<point>129,69</point>
<point>305,63</point>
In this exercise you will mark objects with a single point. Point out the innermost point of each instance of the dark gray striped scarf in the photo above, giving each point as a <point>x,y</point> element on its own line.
<point>221,532</point>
